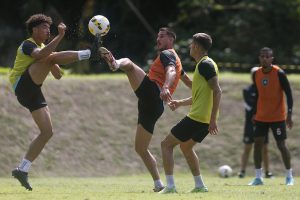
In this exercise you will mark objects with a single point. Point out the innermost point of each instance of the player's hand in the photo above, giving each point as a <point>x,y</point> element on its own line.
<point>289,121</point>
<point>61,29</point>
<point>165,94</point>
<point>213,128</point>
<point>174,104</point>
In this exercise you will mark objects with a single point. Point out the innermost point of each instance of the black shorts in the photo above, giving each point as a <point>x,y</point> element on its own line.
<point>249,133</point>
<point>29,94</point>
<point>190,129</point>
<point>150,105</point>
<point>278,129</point>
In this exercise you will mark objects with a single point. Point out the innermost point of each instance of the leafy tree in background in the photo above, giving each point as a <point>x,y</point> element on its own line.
<point>239,27</point>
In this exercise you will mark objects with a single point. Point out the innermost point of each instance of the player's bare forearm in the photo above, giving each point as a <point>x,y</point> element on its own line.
<point>174,104</point>
<point>49,48</point>
<point>165,94</point>
<point>186,80</point>
<point>217,92</point>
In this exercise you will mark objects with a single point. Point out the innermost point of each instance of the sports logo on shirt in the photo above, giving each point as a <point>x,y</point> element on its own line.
<point>265,81</point>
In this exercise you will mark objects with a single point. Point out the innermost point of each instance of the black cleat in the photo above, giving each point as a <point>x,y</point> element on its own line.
<point>97,43</point>
<point>269,175</point>
<point>241,174</point>
<point>22,178</point>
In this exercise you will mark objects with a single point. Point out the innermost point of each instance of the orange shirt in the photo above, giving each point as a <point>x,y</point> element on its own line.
<point>157,72</point>
<point>270,103</point>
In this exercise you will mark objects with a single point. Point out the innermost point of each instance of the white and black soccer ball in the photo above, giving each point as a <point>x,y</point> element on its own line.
<point>99,25</point>
<point>225,171</point>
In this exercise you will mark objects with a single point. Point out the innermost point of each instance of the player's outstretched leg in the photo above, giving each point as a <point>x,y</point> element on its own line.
<point>109,58</point>
<point>22,178</point>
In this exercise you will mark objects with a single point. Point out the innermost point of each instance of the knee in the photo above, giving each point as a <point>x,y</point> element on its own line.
<point>49,60</point>
<point>165,146</point>
<point>47,134</point>
<point>140,150</point>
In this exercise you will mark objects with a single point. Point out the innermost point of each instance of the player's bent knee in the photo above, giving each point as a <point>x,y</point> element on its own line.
<point>49,61</point>
<point>140,150</point>
<point>47,135</point>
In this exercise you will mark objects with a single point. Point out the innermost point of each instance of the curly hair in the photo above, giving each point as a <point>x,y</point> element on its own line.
<point>36,20</point>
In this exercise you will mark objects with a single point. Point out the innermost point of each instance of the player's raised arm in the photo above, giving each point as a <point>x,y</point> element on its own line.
<point>49,48</point>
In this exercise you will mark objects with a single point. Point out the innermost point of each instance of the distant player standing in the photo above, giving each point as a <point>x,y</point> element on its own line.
<point>33,63</point>
<point>250,95</point>
<point>152,90</point>
<point>202,118</point>
<point>271,84</point>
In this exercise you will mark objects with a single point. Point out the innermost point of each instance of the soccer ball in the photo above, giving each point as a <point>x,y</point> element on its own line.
<point>99,25</point>
<point>225,171</point>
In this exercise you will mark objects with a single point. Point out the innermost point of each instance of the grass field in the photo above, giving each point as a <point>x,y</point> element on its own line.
<point>94,119</point>
<point>140,187</point>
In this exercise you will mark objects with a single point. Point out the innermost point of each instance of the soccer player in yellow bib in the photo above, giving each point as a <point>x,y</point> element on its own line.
<point>33,63</point>
<point>202,118</point>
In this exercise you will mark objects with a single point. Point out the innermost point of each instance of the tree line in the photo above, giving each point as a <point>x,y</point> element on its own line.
<point>239,28</point>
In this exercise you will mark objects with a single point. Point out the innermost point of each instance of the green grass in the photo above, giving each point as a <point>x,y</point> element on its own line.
<point>140,187</point>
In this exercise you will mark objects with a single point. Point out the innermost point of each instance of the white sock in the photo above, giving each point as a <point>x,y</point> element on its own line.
<point>170,181</point>
<point>84,54</point>
<point>118,63</point>
<point>158,183</point>
<point>258,173</point>
<point>25,165</point>
<point>198,181</point>
<point>289,173</point>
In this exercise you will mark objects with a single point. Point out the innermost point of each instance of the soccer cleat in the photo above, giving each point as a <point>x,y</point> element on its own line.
<point>167,190</point>
<point>109,58</point>
<point>22,178</point>
<point>289,181</point>
<point>256,181</point>
<point>269,175</point>
<point>199,190</point>
<point>241,174</point>
<point>158,189</point>
<point>97,43</point>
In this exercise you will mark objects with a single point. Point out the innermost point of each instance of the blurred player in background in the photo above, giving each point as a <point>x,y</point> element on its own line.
<point>272,86</point>
<point>250,95</point>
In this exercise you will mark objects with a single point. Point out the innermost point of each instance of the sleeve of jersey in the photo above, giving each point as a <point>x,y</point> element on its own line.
<point>287,89</point>
<point>28,47</point>
<point>167,58</point>
<point>207,70</point>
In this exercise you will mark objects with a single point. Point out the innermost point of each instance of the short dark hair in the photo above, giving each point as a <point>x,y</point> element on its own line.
<point>169,31</point>
<point>203,40</point>
<point>266,49</point>
<point>36,20</point>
